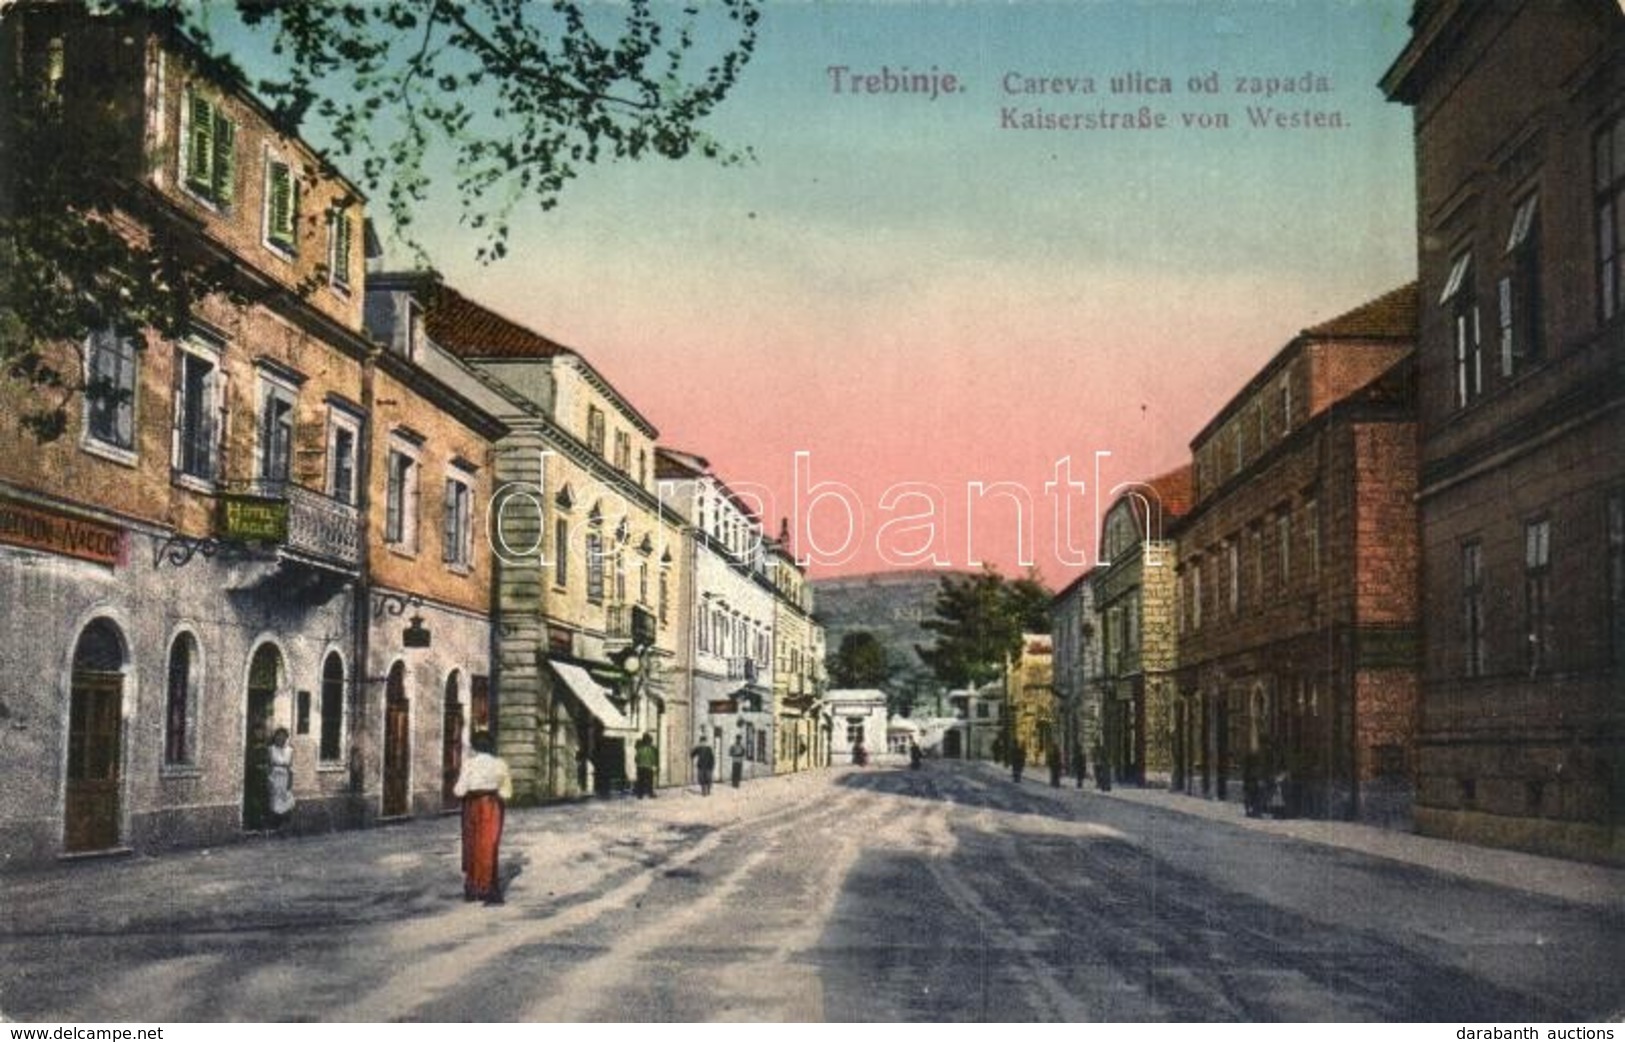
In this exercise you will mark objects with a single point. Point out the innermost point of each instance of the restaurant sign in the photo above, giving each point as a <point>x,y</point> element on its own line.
<point>40,529</point>
<point>254,519</point>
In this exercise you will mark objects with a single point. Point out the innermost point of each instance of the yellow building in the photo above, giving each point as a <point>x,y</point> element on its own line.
<point>798,664</point>
<point>1029,694</point>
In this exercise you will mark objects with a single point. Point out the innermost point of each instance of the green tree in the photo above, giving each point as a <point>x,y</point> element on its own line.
<point>860,661</point>
<point>978,621</point>
<point>517,97</point>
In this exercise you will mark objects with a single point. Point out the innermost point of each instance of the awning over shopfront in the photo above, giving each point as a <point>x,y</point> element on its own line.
<point>592,696</point>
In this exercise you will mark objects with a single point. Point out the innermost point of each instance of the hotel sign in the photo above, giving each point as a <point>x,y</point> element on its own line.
<point>40,529</point>
<point>254,519</point>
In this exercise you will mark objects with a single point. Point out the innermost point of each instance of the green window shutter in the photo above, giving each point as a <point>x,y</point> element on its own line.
<point>341,250</point>
<point>200,142</point>
<point>278,218</point>
<point>225,158</point>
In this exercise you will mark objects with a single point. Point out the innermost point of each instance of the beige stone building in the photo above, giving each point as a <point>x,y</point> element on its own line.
<point>191,565</point>
<point>590,585</point>
<point>798,675</point>
<point>1029,699</point>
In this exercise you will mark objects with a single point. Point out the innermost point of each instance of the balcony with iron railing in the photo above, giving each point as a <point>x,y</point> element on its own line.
<point>301,522</point>
<point>743,668</point>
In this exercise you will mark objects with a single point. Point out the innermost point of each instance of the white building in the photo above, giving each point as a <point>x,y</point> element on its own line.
<point>859,715</point>
<point>731,611</point>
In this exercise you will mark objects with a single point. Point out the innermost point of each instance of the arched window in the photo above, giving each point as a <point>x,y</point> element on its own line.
<point>332,709</point>
<point>180,702</point>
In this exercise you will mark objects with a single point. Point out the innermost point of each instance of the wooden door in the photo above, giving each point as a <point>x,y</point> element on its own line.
<point>95,740</point>
<point>451,753</point>
<point>397,745</point>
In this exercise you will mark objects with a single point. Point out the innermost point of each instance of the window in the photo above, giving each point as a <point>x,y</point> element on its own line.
<point>457,546</point>
<point>1518,293</point>
<point>643,468</point>
<point>197,408</point>
<point>1616,574</point>
<point>1537,562</point>
<point>1196,595</point>
<point>1311,534</point>
<point>1286,405</point>
<point>1256,535</point>
<point>340,235</point>
<point>1610,207</point>
<point>1472,609</point>
<point>281,207</point>
<point>210,160</point>
<point>342,438</point>
<point>301,712</point>
<point>1283,543</point>
<point>665,596</point>
<point>595,429</point>
<point>595,568</point>
<point>1232,553</point>
<point>1241,447</point>
<point>1462,299</point>
<point>179,702</point>
<point>623,452</point>
<point>332,708</point>
<point>643,582</point>
<point>110,361</point>
<point>854,730</point>
<point>561,552</point>
<point>275,431</point>
<point>981,711</point>
<point>401,502</point>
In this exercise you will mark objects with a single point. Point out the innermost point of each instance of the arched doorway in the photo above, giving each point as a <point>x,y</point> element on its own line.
<point>451,739</point>
<point>95,739</point>
<point>264,681</point>
<point>397,744</point>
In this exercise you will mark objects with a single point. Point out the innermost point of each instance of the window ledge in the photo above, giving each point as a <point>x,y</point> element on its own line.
<point>122,456</point>
<point>402,550</point>
<point>206,486</point>
<point>287,254</point>
<point>458,568</point>
<point>178,771</point>
<point>332,767</point>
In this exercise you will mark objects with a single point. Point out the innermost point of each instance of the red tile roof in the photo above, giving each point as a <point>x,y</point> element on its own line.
<point>470,330</point>
<point>1177,491</point>
<point>1390,316</point>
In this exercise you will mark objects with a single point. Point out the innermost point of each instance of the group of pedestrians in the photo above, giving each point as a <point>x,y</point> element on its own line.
<point>705,763</point>
<point>1057,761</point>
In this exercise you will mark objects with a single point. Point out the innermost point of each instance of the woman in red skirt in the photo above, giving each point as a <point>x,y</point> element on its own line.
<point>485,787</point>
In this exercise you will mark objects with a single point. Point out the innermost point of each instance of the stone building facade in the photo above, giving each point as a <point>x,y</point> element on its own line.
<point>1075,636</point>
<point>798,675</point>
<point>187,563</point>
<point>1297,566</point>
<point>589,584</point>
<point>1521,378</point>
<point>1133,598</point>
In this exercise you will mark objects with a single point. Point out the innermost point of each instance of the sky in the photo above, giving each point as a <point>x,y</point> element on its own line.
<point>916,293</point>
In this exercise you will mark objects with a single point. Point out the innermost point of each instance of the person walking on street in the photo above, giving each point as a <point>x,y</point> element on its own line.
<point>736,753</point>
<point>1080,767</point>
<point>1053,754</point>
<point>485,787</point>
<point>705,763</point>
<point>1018,762</point>
<point>646,758</point>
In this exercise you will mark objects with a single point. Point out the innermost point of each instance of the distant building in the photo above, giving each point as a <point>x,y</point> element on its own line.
<point>979,733</point>
<point>1297,575</point>
<point>859,716</point>
<point>1075,633</point>
<point>1133,601</point>
<point>1520,175</point>
<point>732,607</point>
<point>1029,698</point>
